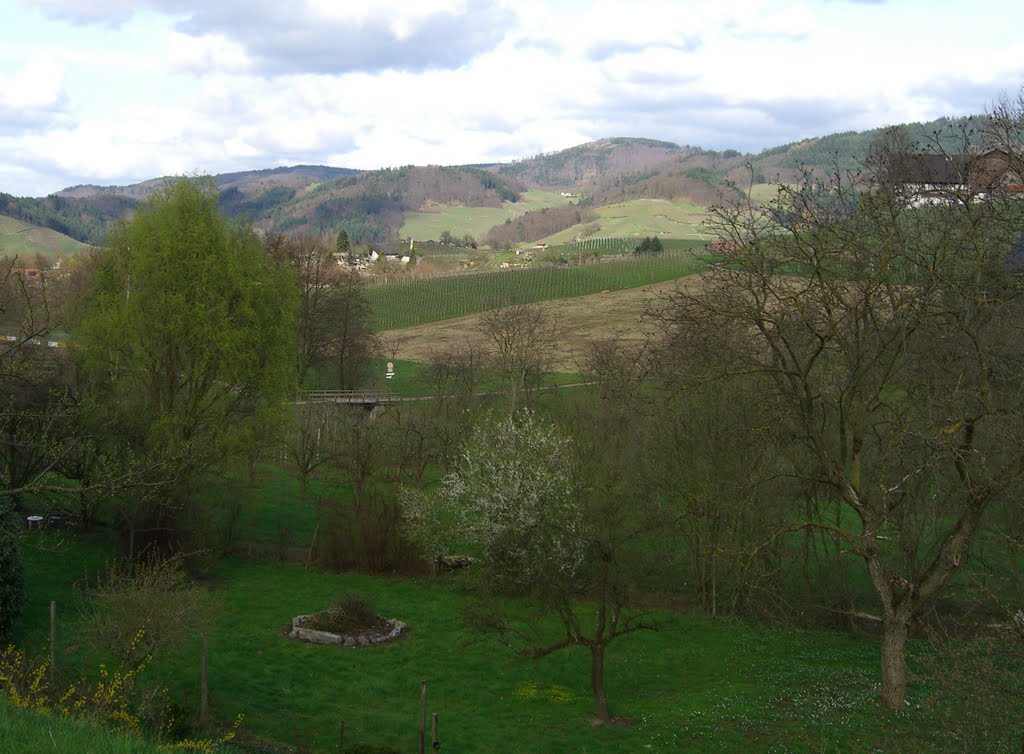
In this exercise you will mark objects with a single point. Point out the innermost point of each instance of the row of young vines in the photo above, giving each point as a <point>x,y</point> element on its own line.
<point>408,302</point>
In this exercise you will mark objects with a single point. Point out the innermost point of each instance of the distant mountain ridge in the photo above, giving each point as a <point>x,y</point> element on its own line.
<point>370,205</point>
<point>591,163</point>
<point>294,175</point>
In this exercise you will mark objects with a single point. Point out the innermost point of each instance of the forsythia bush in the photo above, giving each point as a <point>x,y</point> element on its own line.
<point>113,700</point>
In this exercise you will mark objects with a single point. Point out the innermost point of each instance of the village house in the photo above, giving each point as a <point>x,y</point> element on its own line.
<point>970,176</point>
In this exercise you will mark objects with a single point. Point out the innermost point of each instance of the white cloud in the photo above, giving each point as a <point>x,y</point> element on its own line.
<point>36,85</point>
<point>115,91</point>
<point>206,52</point>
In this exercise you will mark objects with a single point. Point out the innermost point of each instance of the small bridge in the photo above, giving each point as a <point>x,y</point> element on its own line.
<point>373,398</point>
<point>367,398</point>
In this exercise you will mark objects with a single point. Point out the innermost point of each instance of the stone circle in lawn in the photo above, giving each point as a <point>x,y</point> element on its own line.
<point>390,630</point>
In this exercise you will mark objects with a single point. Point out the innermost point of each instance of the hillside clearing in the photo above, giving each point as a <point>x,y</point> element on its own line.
<point>640,217</point>
<point>474,221</point>
<point>25,240</point>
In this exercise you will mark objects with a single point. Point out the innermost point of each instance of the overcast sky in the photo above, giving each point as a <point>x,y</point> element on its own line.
<point>117,91</point>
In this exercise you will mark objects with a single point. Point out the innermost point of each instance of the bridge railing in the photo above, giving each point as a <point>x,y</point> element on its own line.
<point>345,396</point>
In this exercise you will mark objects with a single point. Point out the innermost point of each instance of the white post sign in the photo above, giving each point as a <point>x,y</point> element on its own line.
<point>391,370</point>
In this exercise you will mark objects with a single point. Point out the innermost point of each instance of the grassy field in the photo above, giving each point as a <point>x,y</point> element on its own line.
<point>411,375</point>
<point>416,301</point>
<point>24,731</point>
<point>697,684</point>
<point>475,221</point>
<point>639,218</point>
<point>763,192</point>
<point>27,240</point>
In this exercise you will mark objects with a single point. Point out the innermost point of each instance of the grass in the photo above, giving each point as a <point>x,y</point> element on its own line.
<point>696,685</point>
<point>699,684</point>
<point>639,218</point>
<point>26,731</point>
<point>272,516</point>
<point>475,221</point>
<point>25,240</point>
<point>763,193</point>
<point>417,301</point>
<point>411,379</point>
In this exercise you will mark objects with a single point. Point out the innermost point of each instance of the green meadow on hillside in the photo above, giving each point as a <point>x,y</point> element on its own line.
<point>24,240</point>
<point>474,221</point>
<point>641,217</point>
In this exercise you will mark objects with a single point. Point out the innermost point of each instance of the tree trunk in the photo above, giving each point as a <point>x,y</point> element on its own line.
<point>894,663</point>
<point>597,682</point>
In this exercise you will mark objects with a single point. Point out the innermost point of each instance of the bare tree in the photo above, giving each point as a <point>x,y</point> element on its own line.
<point>351,342</point>
<point>310,259</point>
<point>884,339</point>
<point>522,340</point>
<point>312,440</point>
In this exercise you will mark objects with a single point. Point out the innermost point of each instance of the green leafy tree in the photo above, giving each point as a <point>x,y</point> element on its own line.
<point>342,244</point>
<point>650,245</point>
<point>189,337</point>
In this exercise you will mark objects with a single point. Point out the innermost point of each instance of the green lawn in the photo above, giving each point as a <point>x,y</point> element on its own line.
<point>698,684</point>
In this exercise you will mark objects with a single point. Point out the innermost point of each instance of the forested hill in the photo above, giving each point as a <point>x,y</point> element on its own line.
<point>596,162</point>
<point>295,176</point>
<point>848,149</point>
<point>86,220</point>
<point>615,170</point>
<point>371,205</point>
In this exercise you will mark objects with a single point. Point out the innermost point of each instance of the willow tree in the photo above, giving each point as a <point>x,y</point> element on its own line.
<point>882,334</point>
<point>189,340</point>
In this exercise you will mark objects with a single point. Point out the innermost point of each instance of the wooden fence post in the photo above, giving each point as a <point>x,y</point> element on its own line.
<point>53,637</point>
<point>204,689</point>
<point>435,741</point>
<point>423,716</point>
<point>341,737</point>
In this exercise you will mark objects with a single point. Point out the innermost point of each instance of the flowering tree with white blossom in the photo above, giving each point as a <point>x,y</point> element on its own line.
<point>518,498</point>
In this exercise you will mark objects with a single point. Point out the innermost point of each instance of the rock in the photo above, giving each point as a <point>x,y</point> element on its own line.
<point>454,562</point>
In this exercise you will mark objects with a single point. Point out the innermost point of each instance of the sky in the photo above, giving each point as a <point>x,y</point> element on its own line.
<point>119,91</point>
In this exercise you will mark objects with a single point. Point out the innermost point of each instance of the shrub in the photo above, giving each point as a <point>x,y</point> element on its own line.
<point>368,537</point>
<point>115,700</point>
<point>349,615</point>
<point>12,571</point>
<point>138,610</point>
